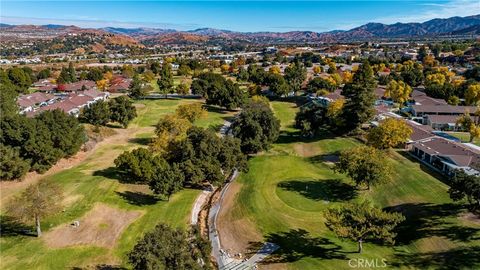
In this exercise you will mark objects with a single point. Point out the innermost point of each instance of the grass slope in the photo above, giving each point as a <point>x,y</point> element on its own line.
<point>94,181</point>
<point>286,194</point>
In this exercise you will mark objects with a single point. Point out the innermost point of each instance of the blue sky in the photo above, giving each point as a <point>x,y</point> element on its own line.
<point>245,16</point>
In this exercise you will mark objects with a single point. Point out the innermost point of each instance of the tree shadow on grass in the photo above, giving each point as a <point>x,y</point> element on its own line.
<point>9,226</point>
<point>328,190</point>
<point>138,198</point>
<point>329,157</point>
<point>426,220</point>
<point>140,141</point>
<point>216,109</point>
<point>287,137</point>
<point>111,173</point>
<point>297,244</point>
<point>458,258</point>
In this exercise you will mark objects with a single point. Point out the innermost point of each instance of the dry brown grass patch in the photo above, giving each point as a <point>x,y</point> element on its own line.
<point>101,226</point>
<point>235,234</point>
<point>306,149</point>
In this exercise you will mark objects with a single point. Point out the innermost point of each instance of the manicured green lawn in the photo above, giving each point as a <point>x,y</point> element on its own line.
<point>286,193</point>
<point>93,181</point>
<point>465,137</point>
<point>150,111</point>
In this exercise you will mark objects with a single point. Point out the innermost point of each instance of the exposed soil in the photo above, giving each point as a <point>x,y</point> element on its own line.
<point>471,217</point>
<point>235,234</point>
<point>306,149</point>
<point>101,226</point>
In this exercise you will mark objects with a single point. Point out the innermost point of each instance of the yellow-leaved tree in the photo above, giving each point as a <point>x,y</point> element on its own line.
<point>274,70</point>
<point>390,133</point>
<point>170,128</point>
<point>399,91</point>
<point>192,112</point>
<point>472,95</point>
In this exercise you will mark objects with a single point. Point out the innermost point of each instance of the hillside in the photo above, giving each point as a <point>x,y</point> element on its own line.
<point>136,36</point>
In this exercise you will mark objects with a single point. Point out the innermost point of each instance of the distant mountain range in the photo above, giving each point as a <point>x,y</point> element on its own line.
<point>469,25</point>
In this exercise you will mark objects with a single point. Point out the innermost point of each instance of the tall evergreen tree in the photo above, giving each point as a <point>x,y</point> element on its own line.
<point>136,89</point>
<point>360,98</point>
<point>165,82</point>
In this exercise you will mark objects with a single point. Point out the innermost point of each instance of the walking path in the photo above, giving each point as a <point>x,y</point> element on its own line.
<point>224,261</point>
<point>197,206</point>
<point>217,252</point>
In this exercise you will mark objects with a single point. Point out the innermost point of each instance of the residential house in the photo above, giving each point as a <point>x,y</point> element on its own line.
<point>77,86</point>
<point>447,156</point>
<point>119,84</point>
<point>28,103</point>
<point>422,110</point>
<point>442,122</point>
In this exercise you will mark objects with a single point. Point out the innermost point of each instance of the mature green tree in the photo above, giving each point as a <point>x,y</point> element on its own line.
<point>139,165</point>
<point>67,75</point>
<point>155,67</point>
<point>66,132</point>
<point>218,91</point>
<point>412,75</point>
<point>44,73</point>
<point>365,166</point>
<point>463,185</point>
<point>360,222</point>
<point>184,70</point>
<point>256,127</point>
<point>295,74</point>
<point>167,180</point>
<point>36,202</point>
<point>42,140</point>
<point>12,166</point>
<point>19,78</point>
<point>277,84</point>
<point>314,118</point>
<point>136,89</point>
<point>163,248</point>
<point>165,82</point>
<point>203,156</point>
<point>242,74</point>
<point>97,114</point>
<point>122,110</point>
<point>33,140</point>
<point>256,74</point>
<point>360,98</point>
<point>40,149</point>
<point>95,74</point>
<point>319,83</point>
<point>422,52</point>
<point>8,99</point>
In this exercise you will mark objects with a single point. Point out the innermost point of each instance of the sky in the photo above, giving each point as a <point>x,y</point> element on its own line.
<point>244,16</point>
